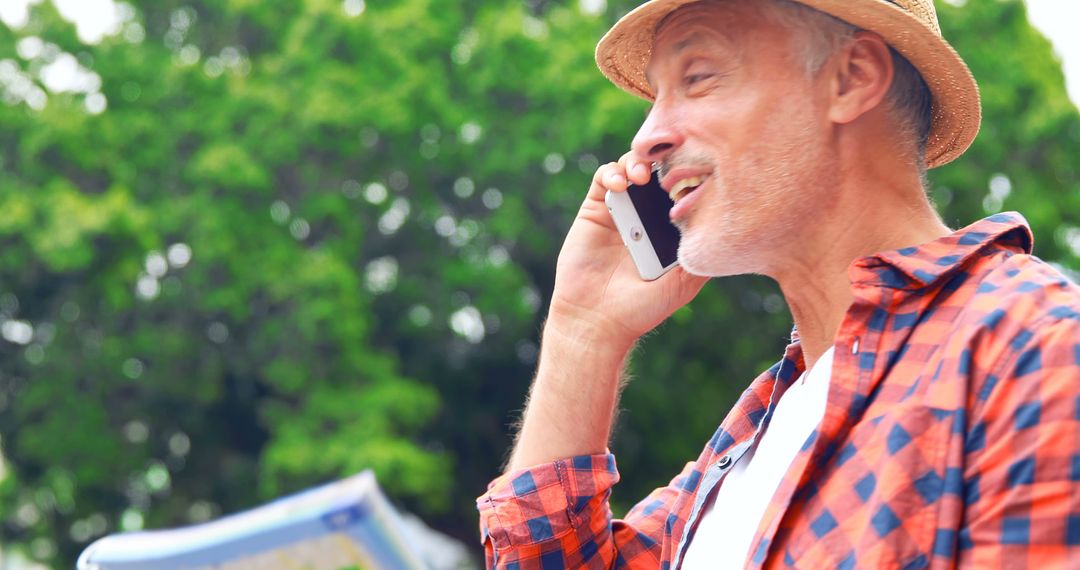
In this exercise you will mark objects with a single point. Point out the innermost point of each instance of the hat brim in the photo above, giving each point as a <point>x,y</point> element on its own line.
<point>624,52</point>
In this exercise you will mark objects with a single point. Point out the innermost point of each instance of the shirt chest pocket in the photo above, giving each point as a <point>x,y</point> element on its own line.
<point>876,503</point>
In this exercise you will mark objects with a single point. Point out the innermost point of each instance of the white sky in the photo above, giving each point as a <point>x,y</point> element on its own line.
<point>93,19</point>
<point>1057,19</point>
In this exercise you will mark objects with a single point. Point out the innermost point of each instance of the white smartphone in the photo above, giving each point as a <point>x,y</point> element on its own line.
<point>641,215</point>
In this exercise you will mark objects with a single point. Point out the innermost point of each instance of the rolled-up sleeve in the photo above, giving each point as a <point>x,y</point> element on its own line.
<point>556,515</point>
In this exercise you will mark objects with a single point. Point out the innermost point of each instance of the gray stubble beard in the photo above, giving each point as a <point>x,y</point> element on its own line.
<point>787,190</point>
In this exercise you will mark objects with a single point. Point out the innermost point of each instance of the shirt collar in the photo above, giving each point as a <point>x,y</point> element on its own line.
<point>920,266</point>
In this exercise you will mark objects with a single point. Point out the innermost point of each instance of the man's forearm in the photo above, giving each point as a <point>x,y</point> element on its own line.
<point>573,398</point>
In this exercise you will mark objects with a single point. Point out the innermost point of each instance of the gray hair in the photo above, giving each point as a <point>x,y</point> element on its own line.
<point>908,98</point>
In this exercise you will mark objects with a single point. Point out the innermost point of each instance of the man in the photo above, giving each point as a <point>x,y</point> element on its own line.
<point>925,414</point>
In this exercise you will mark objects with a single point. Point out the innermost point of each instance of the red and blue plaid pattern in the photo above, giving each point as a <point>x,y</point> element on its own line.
<point>951,435</point>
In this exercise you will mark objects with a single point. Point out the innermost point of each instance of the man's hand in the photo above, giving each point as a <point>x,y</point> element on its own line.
<point>596,282</point>
<point>598,310</point>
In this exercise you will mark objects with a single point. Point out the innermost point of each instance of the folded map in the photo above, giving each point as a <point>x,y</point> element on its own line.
<point>344,525</point>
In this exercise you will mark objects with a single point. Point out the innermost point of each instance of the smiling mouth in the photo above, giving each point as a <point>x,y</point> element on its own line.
<point>685,187</point>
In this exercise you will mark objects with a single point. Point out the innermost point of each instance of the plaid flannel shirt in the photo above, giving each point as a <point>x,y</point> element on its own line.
<point>951,436</point>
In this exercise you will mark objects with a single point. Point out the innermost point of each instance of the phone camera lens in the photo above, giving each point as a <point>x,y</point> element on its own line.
<point>636,234</point>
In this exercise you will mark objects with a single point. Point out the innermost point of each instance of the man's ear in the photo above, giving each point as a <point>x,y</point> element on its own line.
<point>862,77</point>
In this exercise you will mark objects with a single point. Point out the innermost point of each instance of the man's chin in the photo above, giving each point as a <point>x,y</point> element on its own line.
<point>696,265</point>
<point>714,261</point>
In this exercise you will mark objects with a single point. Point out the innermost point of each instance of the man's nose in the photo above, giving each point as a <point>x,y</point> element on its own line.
<point>658,136</point>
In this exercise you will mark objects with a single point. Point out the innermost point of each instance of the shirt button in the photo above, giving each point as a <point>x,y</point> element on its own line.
<point>724,462</point>
<point>855,347</point>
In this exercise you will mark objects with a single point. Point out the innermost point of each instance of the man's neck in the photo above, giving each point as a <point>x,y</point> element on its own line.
<point>863,221</point>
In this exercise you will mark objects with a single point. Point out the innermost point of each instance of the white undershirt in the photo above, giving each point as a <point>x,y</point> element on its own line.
<point>729,522</point>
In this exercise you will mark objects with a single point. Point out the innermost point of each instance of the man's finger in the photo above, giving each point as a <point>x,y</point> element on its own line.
<point>606,178</point>
<point>610,176</point>
<point>615,181</point>
<point>640,173</point>
<point>637,171</point>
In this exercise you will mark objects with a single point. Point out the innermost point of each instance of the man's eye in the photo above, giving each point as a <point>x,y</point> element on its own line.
<point>697,77</point>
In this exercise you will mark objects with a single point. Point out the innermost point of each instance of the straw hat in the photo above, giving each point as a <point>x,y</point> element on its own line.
<point>909,26</point>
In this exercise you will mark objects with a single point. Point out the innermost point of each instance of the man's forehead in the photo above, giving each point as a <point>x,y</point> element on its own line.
<point>686,41</point>
<point>691,26</point>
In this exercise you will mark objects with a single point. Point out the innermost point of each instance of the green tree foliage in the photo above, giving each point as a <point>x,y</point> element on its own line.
<point>283,242</point>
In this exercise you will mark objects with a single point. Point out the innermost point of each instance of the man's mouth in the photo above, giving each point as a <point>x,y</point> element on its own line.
<point>685,186</point>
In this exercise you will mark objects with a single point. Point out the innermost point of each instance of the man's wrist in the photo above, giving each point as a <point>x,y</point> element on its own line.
<point>575,391</point>
<point>588,328</point>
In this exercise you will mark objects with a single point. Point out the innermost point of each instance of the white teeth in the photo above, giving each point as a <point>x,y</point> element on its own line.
<point>684,186</point>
